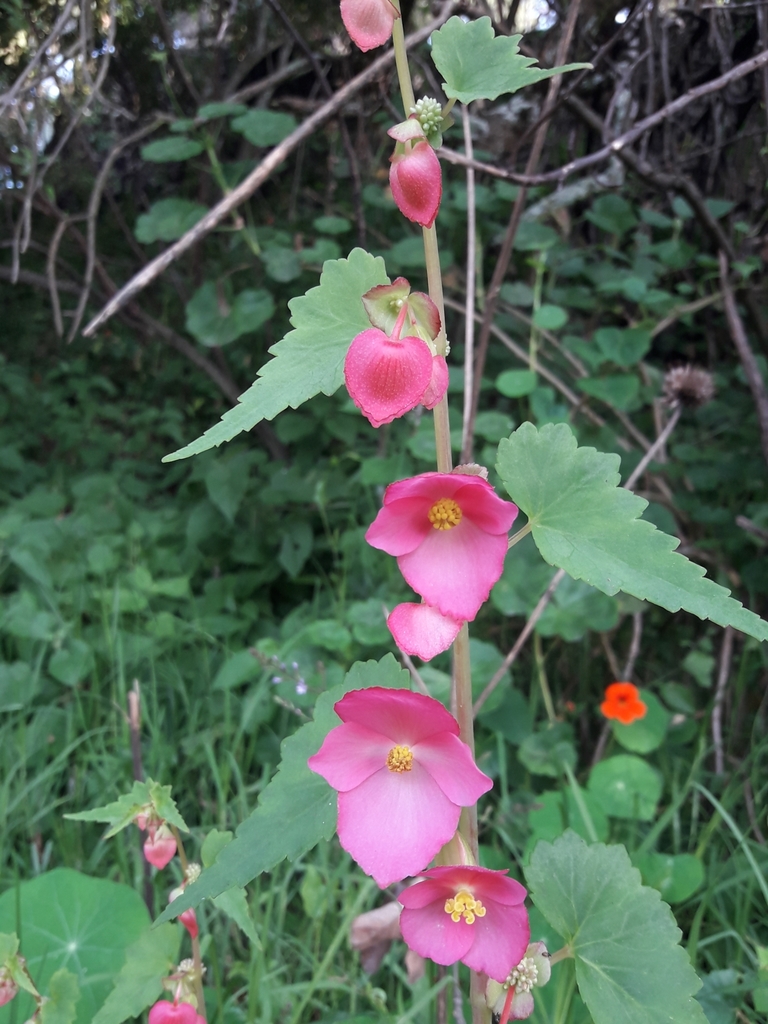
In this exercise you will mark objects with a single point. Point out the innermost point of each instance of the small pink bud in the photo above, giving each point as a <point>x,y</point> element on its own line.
<point>369,22</point>
<point>8,987</point>
<point>164,1012</point>
<point>417,183</point>
<point>141,821</point>
<point>189,919</point>
<point>160,847</point>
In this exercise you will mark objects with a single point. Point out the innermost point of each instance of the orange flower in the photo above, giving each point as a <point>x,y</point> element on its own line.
<point>622,702</point>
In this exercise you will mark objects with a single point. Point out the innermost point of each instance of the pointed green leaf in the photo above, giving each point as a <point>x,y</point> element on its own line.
<point>630,966</point>
<point>298,808</point>
<point>175,147</point>
<point>121,813</point>
<point>59,1008</point>
<point>151,958</point>
<point>583,522</point>
<point>310,358</point>
<point>476,64</point>
<point>233,902</point>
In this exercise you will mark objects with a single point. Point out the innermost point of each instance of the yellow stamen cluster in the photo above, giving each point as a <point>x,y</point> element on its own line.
<point>464,904</point>
<point>400,759</point>
<point>445,514</point>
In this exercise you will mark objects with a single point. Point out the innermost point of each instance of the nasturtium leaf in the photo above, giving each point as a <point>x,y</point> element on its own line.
<point>583,522</point>
<point>624,346</point>
<point>264,127</point>
<point>476,64</point>
<point>176,147</point>
<point>298,808</point>
<point>516,383</point>
<point>167,220</point>
<point>553,813</point>
<point>648,732</point>
<point>139,984</point>
<point>75,922</point>
<point>676,876</point>
<point>331,225</point>
<point>630,966</point>
<point>214,318</point>
<point>549,317</point>
<point>549,751</point>
<point>63,994</point>
<point>282,264</point>
<point>310,358</point>
<point>625,786</point>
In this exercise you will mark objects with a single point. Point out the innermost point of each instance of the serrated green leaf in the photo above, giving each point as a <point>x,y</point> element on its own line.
<point>165,805</point>
<point>119,814</point>
<point>310,358</point>
<point>59,1008</point>
<point>233,902</point>
<point>298,808</point>
<point>476,64</point>
<point>176,147</point>
<point>583,522</point>
<point>9,946</point>
<point>140,982</point>
<point>630,966</point>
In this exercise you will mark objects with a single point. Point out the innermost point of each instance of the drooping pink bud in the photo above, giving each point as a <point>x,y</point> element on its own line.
<point>164,1012</point>
<point>417,183</point>
<point>187,917</point>
<point>386,377</point>
<point>160,847</point>
<point>141,822</point>
<point>8,987</point>
<point>369,22</point>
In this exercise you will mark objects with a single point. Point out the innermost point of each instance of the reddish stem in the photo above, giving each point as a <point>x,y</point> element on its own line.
<point>507,1005</point>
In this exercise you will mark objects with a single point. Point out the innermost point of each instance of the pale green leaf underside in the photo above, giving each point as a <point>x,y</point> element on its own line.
<point>298,808</point>
<point>583,522</point>
<point>476,64</point>
<point>630,966</point>
<point>310,358</point>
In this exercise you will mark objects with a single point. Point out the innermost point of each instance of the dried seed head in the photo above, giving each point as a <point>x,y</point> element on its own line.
<point>689,386</point>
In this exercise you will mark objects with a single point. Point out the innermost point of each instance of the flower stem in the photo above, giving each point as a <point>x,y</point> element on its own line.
<point>196,957</point>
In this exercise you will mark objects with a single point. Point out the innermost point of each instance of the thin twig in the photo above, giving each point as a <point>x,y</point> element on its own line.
<point>723,672</point>
<point>634,646</point>
<point>469,310</point>
<point>256,178</point>
<point>50,270</point>
<point>657,445</point>
<point>746,355</point>
<point>526,631</point>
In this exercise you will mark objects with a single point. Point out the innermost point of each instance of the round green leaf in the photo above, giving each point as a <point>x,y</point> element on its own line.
<point>647,733</point>
<point>626,787</point>
<point>264,127</point>
<point>676,876</point>
<point>331,225</point>
<point>550,318</point>
<point>76,922</point>
<point>168,220</point>
<point>548,751</point>
<point>176,147</point>
<point>516,383</point>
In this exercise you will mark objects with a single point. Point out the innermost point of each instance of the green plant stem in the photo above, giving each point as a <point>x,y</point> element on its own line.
<point>543,681</point>
<point>517,537</point>
<point>401,63</point>
<point>196,957</point>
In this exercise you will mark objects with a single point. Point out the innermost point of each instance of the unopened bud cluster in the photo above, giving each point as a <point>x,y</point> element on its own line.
<point>429,114</point>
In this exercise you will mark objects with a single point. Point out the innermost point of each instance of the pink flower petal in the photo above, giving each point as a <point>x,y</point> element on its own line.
<point>438,385</point>
<point>485,508</point>
<point>400,715</point>
<point>421,630</point>
<point>400,526</point>
<point>395,823</point>
<point>432,933</point>
<point>369,22</point>
<point>454,569</point>
<point>429,486</point>
<point>416,181</point>
<point>501,938</point>
<point>350,754</point>
<point>450,763</point>
<point>386,378</point>
<point>492,885</point>
<point>522,1006</point>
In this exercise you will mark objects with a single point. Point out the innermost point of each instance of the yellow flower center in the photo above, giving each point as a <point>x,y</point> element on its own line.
<point>400,759</point>
<point>464,904</point>
<point>445,514</point>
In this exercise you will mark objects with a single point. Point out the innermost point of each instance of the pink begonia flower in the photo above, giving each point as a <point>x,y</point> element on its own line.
<point>470,914</point>
<point>160,846</point>
<point>417,183</point>
<point>421,630</point>
<point>369,22</point>
<point>449,534</point>
<point>402,775</point>
<point>164,1012</point>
